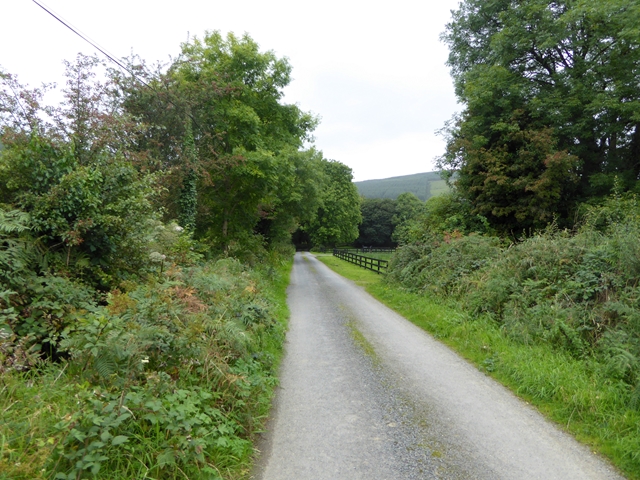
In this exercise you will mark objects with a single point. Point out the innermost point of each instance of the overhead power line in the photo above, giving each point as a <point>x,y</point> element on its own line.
<point>91,42</point>
<point>107,54</point>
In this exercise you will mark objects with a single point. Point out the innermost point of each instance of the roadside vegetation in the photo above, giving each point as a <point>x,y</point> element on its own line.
<point>530,265</point>
<point>169,379</point>
<point>145,248</point>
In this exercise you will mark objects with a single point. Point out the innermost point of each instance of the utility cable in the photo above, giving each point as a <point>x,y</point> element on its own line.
<point>92,43</point>
<point>108,55</point>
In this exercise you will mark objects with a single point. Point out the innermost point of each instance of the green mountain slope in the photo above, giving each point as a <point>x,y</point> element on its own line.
<point>423,185</point>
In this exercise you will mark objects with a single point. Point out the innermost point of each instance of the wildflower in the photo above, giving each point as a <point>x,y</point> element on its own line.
<point>157,257</point>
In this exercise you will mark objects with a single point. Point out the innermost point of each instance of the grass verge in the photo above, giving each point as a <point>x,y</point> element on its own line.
<point>569,391</point>
<point>378,255</point>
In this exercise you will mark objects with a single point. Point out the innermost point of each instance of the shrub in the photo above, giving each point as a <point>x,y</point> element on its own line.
<point>442,264</point>
<point>173,373</point>
<point>576,291</point>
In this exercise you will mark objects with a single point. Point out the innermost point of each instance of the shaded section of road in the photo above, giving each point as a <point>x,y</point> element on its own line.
<point>365,394</point>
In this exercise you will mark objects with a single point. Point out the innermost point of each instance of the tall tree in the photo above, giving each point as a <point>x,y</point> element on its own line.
<point>244,134</point>
<point>339,214</point>
<point>552,104</point>
<point>300,183</point>
<point>377,222</point>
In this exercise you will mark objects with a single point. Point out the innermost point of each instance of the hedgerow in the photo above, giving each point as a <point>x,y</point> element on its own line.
<point>129,347</point>
<point>577,291</point>
<point>169,378</point>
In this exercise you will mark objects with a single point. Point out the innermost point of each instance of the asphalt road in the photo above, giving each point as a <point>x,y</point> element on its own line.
<point>367,395</point>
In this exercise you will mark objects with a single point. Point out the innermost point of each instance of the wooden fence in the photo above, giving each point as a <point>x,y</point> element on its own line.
<point>369,263</point>
<point>371,250</point>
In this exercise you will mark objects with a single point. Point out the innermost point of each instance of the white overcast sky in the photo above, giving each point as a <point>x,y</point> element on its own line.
<point>373,71</point>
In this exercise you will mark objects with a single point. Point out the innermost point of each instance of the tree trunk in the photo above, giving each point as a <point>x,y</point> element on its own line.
<point>634,153</point>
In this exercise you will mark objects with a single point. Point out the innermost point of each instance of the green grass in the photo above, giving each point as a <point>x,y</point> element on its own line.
<point>569,391</point>
<point>30,406</point>
<point>378,255</point>
<point>359,275</point>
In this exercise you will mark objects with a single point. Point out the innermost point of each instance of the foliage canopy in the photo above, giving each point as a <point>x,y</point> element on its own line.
<point>243,145</point>
<point>551,97</point>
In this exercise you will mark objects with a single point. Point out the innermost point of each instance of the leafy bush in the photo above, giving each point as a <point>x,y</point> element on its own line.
<point>168,377</point>
<point>444,214</point>
<point>441,265</point>
<point>576,291</point>
<point>92,221</point>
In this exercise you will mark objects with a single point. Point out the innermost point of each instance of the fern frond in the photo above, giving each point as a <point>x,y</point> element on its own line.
<point>13,221</point>
<point>105,365</point>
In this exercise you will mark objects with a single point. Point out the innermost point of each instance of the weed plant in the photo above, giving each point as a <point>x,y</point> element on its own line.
<point>171,378</point>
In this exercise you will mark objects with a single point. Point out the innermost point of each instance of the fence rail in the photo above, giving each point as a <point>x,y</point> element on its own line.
<point>373,264</point>
<point>371,250</point>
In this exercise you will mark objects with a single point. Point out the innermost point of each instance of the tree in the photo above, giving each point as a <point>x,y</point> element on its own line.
<point>377,222</point>
<point>409,214</point>
<point>552,105</point>
<point>245,137</point>
<point>299,194</point>
<point>339,214</point>
<point>89,207</point>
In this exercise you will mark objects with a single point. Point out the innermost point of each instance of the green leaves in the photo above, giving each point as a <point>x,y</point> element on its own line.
<point>377,222</point>
<point>240,150</point>
<point>194,366</point>
<point>551,105</point>
<point>339,213</point>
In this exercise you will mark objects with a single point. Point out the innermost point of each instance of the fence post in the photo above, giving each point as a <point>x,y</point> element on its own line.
<point>373,264</point>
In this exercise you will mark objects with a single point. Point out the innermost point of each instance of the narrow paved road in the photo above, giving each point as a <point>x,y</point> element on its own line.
<point>367,395</point>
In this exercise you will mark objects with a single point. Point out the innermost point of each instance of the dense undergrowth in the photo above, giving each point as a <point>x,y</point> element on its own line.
<point>167,374</point>
<point>572,294</point>
<point>169,379</point>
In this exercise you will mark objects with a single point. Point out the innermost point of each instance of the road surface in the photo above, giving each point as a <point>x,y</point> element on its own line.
<point>365,394</point>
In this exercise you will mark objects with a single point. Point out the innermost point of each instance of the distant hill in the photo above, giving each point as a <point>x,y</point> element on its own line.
<point>422,185</point>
